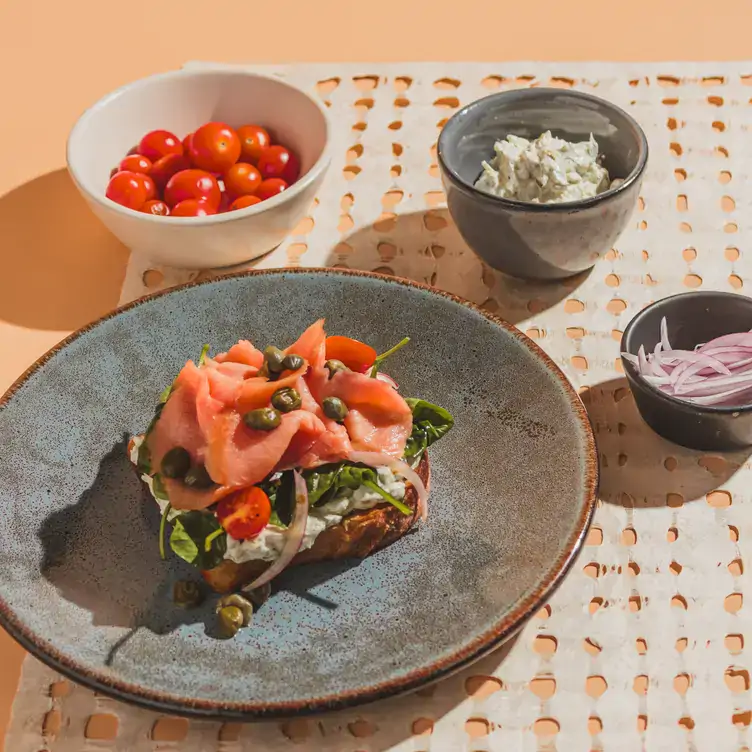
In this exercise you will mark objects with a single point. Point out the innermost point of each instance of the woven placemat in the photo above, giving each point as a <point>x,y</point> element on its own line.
<point>643,647</point>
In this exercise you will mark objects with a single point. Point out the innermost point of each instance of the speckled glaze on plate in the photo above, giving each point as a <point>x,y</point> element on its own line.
<point>81,582</point>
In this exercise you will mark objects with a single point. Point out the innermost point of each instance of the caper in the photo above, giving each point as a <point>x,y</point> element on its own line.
<point>334,366</point>
<point>335,408</point>
<point>274,358</point>
<point>292,362</point>
<point>260,595</point>
<point>263,419</point>
<point>187,594</point>
<point>236,600</point>
<point>176,463</point>
<point>197,477</point>
<point>286,400</point>
<point>230,621</point>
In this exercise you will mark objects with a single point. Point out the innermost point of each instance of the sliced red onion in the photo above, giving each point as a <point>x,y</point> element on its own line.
<point>719,399</point>
<point>718,372</point>
<point>664,334</point>
<point>377,459</point>
<point>655,364</point>
<point>387,379</point>
<point>293,537</point>
<point>740,338</point>
<point>714,385</point>
<point>696,368</point>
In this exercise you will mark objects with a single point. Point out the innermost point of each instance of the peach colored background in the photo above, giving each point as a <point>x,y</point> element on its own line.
<point>61,269</point>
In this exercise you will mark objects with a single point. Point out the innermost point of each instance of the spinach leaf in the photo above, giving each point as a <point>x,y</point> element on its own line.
<point>281,499</point>
<point>195,532</point>
<point>324,482</point>
<point>430,423</point>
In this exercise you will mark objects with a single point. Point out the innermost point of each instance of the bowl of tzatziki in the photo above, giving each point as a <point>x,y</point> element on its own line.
<point>542,182</point>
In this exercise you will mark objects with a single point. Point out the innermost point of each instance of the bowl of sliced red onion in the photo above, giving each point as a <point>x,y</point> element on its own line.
<point>688,361</point>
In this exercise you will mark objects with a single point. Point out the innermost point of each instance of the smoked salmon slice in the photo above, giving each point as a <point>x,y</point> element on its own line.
<point>239,456</point>
<point>242,352</point>
<point>379,419</point>
<point>204,415</point>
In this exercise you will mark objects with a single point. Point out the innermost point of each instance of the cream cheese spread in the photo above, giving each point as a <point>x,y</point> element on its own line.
<point>544,171</point>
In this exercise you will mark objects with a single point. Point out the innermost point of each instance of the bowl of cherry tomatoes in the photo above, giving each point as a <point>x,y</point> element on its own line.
<point>201,169</point>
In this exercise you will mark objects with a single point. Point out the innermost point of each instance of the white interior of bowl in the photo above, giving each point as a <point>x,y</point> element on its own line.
<point>180,102</point>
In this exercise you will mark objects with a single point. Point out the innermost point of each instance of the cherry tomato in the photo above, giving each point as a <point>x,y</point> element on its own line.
<point>135,163</point>
<point>187,143</point>
<point>215,147</point>
<point>149,186</point>
<point>158,144</point>
<point>244,514</point>
<point>253,140</point>
<point>242,179</point>
<point>279,162</point>
<point>243,202</point>
<point>193,184</point>
<point>128,189</point>
<point>356,355</point>
<point>163,169</point>
<point>269,188</point>
<point>192,207</point>
<point>157,207</point>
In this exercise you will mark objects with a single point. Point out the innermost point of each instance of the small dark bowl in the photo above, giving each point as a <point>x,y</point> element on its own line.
<point>691,318</point>
<point>540,241</point>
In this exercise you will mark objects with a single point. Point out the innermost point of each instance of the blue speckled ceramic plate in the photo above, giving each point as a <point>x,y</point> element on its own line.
<point>81,582</point>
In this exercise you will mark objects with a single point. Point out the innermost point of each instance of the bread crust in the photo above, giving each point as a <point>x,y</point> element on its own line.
<point>358,535</point>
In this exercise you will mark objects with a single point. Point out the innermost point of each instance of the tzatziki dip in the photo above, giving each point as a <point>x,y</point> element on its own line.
<point>547,170</point>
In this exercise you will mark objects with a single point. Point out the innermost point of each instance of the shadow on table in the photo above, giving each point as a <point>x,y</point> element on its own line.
<point>426,246</point>
<point>61,267</point>
<point>380,723</point>
<point>639,468</point>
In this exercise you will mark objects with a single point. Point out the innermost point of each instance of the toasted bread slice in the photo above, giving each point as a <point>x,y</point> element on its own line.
<point>357,536</point>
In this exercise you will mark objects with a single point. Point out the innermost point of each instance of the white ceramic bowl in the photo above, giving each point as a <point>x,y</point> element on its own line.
<point>180,102</point>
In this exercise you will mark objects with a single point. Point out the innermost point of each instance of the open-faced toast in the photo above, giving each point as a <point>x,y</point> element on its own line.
<point>358,535</point>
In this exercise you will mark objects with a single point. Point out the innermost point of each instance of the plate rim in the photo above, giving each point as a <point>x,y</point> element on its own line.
<point>498,633</point>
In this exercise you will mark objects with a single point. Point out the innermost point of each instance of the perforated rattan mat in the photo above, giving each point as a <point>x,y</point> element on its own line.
<point>644,646</point>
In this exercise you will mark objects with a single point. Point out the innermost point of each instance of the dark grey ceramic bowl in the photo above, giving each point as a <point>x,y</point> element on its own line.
<point>81,582</point>
<point>691,318</point>
<point>540,241</point>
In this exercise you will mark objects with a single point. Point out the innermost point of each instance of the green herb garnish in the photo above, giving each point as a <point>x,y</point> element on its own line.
<point>204,353</point>
<point>381,358</point>
<point>211,538</point>
<point>162,526</point>
<point>387,496</point>
<point>190,536</point>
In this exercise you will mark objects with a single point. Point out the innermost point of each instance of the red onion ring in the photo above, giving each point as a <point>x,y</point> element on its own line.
<point>376,459</point>
<point>294,536</point>
<point>718,372</point>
